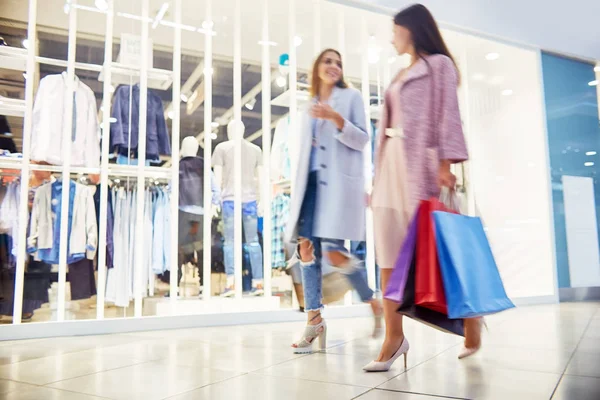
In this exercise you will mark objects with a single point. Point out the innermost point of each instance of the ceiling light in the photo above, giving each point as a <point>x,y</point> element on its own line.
<point>589,164</point>
<point>281,81</point>
<point>507,92</point>
<point>101,5</point>
<point>215,124</point>
<point>496,80</point>
<point>591,153</point>
<point>184,98</point>
<point>171,114</point>
<point>492,56</point>
<point>26,43</point>
<point>267,43</point>
<point>593,83</point>
<point>297,41</point>
<point>112,120</point>
<point>160,15</point>
<point>250,105</point>
<point>214,136</point>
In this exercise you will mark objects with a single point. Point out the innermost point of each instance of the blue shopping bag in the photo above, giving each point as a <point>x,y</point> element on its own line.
<point>472,283</point>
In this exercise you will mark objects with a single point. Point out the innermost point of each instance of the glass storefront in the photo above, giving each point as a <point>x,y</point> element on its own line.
<point>173,123</point>
<point>574,139</point>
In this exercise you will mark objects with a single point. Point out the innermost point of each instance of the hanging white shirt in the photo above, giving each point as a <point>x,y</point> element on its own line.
<point>49,120</point>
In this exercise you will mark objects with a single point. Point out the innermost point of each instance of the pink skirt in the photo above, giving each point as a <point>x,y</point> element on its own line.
<point>391,202</point>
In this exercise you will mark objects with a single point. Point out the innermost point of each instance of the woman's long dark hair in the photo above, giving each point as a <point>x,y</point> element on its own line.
<point>426,36</point>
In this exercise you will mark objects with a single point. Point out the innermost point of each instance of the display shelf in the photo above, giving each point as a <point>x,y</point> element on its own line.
<point>12,107</point>
<point>113,169</point>
<point>13,58</point>
<point>121,74</point>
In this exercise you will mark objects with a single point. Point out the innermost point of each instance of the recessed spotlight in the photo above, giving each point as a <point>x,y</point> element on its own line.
<point>281,81</point>
<point>591,153</point>
<point>184,98</point>
<point>589,164</point>
<point>492,56</point>
<point>297,41</point>
<point>507,92</point>
<point>215,124</point>
<point>26,43</point>
<point>593,83</point>
<point>101,5</point>
<point>112,120</point>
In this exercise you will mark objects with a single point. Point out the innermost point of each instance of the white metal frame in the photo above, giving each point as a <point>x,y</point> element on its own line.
<point>238,253</point>
<point>208,67</point>
<point>266,195</point>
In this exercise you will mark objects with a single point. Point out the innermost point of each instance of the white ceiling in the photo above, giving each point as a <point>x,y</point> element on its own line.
<point>567,27</point>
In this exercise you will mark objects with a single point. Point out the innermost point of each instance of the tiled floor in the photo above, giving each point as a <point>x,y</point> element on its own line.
<point>542,352</point>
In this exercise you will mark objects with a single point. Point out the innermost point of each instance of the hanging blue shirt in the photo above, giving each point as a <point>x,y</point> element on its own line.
<point>51,256</point>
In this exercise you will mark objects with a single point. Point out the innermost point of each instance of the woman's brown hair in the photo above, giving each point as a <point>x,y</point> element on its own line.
<point>315,81</point>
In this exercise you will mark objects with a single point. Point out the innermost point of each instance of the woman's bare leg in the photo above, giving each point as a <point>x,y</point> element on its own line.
<point>394,333</point>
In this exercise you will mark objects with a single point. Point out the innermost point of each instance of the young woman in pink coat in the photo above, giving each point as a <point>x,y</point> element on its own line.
<point>419,138</point>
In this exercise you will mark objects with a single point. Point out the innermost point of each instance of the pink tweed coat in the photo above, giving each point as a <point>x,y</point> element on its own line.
<point>432,127</point>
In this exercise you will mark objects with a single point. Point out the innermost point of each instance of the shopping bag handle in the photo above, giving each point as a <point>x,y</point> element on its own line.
<point>449,198</point>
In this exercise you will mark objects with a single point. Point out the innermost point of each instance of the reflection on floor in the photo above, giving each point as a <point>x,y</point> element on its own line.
<point>541,352</point>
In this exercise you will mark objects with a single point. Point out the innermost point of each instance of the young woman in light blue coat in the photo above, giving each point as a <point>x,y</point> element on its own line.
<point>328,202</point>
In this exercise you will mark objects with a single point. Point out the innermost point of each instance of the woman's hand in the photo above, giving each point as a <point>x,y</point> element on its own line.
<point>445,177</point>
<point>326,112</point>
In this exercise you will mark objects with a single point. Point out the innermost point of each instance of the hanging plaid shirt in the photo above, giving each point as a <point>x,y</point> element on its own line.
<point>280,212</point>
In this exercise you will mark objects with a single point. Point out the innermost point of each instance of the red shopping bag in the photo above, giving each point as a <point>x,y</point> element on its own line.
<point>429,287</point>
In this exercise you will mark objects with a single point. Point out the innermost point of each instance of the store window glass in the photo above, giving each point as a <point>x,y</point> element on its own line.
<point>573,136</point>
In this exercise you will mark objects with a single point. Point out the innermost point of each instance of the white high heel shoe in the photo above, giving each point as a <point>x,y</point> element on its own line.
<point>383,366</point>
<point>312,332</point>
<point>469,351</point>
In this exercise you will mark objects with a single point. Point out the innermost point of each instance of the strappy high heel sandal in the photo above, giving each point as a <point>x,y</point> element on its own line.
<point>312,332</point>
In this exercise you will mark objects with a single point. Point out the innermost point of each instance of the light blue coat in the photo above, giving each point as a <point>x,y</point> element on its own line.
<point>340,210</point>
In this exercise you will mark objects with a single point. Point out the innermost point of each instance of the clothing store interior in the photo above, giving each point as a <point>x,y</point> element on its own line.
<point>178,148</point>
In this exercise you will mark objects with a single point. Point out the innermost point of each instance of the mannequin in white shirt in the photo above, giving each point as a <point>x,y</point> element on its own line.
<point>223,162</point>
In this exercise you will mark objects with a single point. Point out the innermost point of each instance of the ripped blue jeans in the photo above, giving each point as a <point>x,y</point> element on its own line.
<point>312,272</point>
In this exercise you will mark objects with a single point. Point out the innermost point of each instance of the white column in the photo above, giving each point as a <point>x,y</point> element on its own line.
<point>24,189</point>
<point>207,240</point>
<point>266,128</point>
<point>341,33</point>
<point>293,83</point>
<point>175,134</point>
<point>370,250</point>
<point>106,100</point>
<point>140,245</point>
<point>317,26</point>
<point>66,171</point>
<point>237,165</point>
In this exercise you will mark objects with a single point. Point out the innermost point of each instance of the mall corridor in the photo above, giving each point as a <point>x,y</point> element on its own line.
<point>530,353</point>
